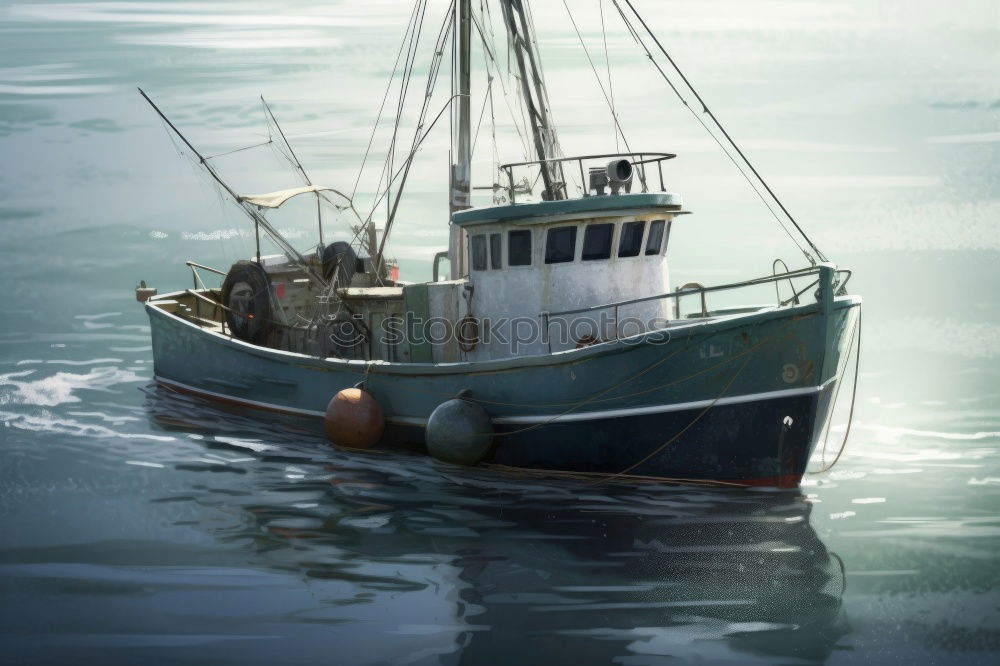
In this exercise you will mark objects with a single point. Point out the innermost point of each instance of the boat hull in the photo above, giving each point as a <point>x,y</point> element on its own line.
<point>739,399</point>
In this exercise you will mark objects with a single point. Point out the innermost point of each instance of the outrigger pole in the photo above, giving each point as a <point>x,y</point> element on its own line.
<point>259,220</point>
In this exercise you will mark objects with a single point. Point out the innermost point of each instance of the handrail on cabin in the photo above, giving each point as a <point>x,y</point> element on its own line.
<point>655,157</point>
<point>690,289</point>
<point>636,159</point>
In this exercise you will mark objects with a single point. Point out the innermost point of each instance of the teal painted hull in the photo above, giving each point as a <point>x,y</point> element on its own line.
<point>740,399</point>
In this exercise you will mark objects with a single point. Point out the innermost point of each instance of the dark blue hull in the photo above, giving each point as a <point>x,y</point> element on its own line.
<point>766,442</point>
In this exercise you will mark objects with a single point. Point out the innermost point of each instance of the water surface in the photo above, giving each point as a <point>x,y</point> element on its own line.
<point>140,526</point>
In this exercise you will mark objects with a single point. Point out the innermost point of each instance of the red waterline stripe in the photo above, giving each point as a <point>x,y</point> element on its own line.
<point>235,402</point>
<point>780,481</point>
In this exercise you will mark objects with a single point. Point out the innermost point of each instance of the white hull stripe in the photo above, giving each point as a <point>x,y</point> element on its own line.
<point>660,409</point>
<point>281,409</point>
<point>527,420</point>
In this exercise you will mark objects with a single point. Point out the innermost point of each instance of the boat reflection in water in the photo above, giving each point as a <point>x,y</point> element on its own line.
<point>452,565</point>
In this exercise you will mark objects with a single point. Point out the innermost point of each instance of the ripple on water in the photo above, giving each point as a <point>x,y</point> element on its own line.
<point>62,387</point>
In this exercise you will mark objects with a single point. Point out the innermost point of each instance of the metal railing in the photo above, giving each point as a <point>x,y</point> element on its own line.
<point>638,160</point>
<point>196,279</point>
<point>693,288</point>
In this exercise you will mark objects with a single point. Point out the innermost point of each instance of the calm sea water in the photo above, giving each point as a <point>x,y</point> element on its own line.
<point>138,527</point>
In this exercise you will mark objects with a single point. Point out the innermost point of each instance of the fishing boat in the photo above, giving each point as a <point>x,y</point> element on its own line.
<point>557,341</point>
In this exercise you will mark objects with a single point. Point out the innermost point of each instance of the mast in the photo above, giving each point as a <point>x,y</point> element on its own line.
<point>461,168</point>
<point>536,100</point>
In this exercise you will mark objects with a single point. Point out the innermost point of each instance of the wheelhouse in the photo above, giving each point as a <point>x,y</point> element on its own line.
<point>528,260</point>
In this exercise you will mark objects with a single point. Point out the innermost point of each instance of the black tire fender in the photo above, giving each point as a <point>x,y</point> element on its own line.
<point>339,257</point>
<point>246,291</point>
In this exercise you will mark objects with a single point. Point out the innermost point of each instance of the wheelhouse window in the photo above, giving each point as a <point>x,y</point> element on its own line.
<point>597,241</point>
<point>631,240</point>
<point>519,247</point>
<point>560,245</point>
<point>496,253</point>
<point>478,252</point>
<point>655,242</point>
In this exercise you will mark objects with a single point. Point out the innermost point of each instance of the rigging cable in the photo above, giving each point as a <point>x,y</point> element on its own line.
<point>638,39</point>
<point>611,104</point>
<point>385,98</point>
<point>491,55</point>
<point>239,150</point>
<point>297,165</point>
<point>729,139</point>
<point>607,61</point>
<point>495,153</point>
<point>419,135</point>
<point>482,112</point>
<point>404,88</point>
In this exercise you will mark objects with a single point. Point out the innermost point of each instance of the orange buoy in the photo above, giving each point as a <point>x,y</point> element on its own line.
<point>354,419</point>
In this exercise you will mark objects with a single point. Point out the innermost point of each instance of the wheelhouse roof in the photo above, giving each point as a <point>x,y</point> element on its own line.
<point>611,205</point>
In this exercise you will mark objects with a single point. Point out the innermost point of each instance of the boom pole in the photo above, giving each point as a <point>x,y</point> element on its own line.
<point>260,221</point>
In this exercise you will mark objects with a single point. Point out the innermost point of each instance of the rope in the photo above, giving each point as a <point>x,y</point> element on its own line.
<point>854,394</point>
<point>602,476</point>
<point>611,388</point>
<point>683,430</point>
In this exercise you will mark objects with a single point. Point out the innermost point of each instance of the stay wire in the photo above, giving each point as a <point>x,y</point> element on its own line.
<point>404,88</point>
<point>683,430</point>
<point>239,150</point>
<point>607,62</point>
<point>387,176</point>
<point>385,98</point>
<point>593,67</point>
<point>722,147</point>
<point>729,139</point>
<point>491,56</point>
<point>419,135</point>
<point>599,394</point>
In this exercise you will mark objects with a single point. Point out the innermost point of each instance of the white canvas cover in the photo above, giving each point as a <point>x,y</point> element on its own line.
<point>275,199</point>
